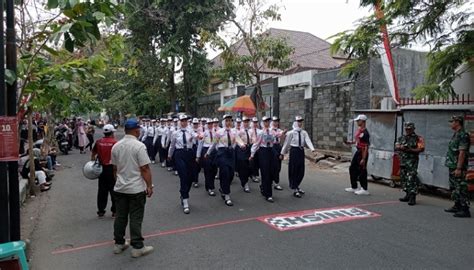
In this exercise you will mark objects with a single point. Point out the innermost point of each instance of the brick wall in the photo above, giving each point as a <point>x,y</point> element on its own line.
<point>332,107</point>
<point>292,103</point>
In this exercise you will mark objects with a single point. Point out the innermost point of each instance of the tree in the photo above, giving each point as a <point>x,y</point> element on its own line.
<point>53,58</point>
<point>264,51</point>
<point>169,32</point>
<point>445,26</point>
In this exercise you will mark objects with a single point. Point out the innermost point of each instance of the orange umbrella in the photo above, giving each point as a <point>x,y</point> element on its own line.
<point>241,104</point>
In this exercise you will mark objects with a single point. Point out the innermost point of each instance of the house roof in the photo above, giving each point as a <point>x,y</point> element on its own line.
<point>310,51</point>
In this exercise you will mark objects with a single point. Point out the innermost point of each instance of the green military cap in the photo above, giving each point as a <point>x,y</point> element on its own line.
<point>458,118</point>
<point>410,125</point>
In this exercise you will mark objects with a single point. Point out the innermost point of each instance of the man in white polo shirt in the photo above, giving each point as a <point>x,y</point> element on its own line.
<point>133,185</point>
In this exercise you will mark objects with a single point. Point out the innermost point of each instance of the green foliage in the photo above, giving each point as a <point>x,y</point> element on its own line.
<point>166,37</point>
<point>55,77</point>
<point>446,26</point>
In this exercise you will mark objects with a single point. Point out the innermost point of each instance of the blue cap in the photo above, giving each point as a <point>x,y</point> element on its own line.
<point>132,123</point>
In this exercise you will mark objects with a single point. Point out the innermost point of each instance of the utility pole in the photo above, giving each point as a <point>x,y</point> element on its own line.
<point>13,183</point>
<point>4,198</point>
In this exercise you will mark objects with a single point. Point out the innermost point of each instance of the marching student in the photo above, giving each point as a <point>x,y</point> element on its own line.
<point>208,165</point>
<point>143,129</point>
<point>196,166</point>
<point>161,141</point>
<point>181,147</point>
<point>279,137</point>
<point>296,141</point>
<point>203,125</point>
<point>157,139</point>
<point>148,140</point>
<point>225,142</point>
<point>243,155</point>
<point>172,128</point>
<point>254,163</point>
<point>238,124</point>
<point>216,128</point>
<point>266,158</point>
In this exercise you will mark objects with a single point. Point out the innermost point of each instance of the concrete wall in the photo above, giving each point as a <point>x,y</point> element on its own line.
<point>332,109</point>
<point>292,103</point>
<point>410,67</point>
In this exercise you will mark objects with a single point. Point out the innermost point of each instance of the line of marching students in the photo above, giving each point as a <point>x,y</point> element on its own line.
<point>249,148</point>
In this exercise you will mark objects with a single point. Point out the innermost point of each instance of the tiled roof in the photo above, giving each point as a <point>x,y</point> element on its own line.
<point>309,51</point>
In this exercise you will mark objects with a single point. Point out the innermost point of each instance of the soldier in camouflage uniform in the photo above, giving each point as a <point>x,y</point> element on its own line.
<point>409,147</point>
<point>457,163</point>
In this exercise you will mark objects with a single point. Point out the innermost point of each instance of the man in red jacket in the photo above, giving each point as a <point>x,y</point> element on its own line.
<point>103,151</point>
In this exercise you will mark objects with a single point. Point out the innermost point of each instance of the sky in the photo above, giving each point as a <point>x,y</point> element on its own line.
<point>322,18</point>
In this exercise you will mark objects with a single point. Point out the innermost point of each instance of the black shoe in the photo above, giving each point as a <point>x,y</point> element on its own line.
<point>270,200</point>
<point>463,213</point>
<point>196,185</point>
<point>297,194</point>
<point>456,207</point>
<point>277,187</point>
<point>301,191</point>
<point>412,199</point>
<point>100,214</point>
<point>211,193</point>
<point>186,210</point>
<point>404,199</point>
<point>228,202</point>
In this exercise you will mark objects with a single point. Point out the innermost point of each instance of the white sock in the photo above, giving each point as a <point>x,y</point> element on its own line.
<point>227,197</point>
<point>185,203</point>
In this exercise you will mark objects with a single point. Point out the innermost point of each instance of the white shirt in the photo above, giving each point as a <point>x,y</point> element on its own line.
<point>142,132</point>
<point>278,133</point>
<point>171,129</point>
<point>158,134</point>
<point>293,140</point>
<point>221,140</point>
<point>178,143</point>
<point>253,134</point>
<point>128,155</point>
<point>243,135</point>
<point>265,138</point>
<point>150,131</point>
<point>207,140</point>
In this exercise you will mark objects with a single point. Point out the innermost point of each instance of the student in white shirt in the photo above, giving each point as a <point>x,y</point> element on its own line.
<point>254,128</point>
<point>208,164</point>
<point>295,142</point>
<point>196,166</point>
<point>181,148</point>
<point>226,141</point>
<point>277,145</point>
<point>243,155</point>
<point>266,158</point>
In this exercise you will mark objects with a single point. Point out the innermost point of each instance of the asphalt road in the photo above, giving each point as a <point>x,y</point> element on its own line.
<point>214,236</point>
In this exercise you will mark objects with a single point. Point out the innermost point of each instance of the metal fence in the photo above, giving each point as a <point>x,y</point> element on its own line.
<point>458,100</point>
